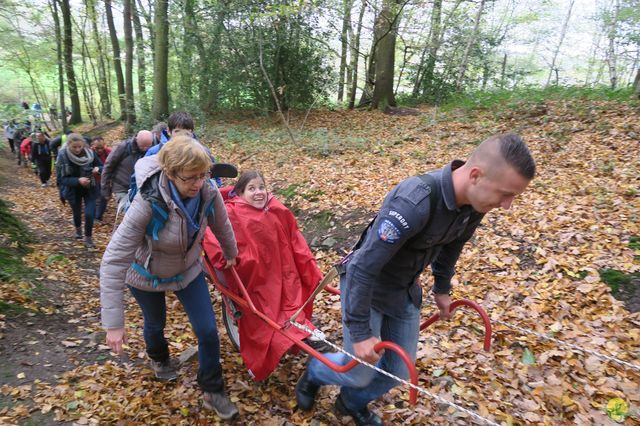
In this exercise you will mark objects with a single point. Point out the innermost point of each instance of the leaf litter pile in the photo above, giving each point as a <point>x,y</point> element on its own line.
<point>534,266</point>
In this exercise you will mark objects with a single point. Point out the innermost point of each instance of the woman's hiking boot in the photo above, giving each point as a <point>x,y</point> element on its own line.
<point>164,370</point>
<point>79,233</point>
<point>220,403</point>
<point>88,243</point>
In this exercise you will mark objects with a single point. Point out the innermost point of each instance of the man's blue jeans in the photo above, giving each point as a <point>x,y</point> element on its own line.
<point>362,384</point>
<point>196,300</point>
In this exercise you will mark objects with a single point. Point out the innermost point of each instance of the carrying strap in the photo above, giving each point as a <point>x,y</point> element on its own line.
<point>159,216</point>
<point>155,280</point>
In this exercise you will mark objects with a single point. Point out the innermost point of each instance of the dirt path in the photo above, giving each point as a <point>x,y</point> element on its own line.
<point>60,334</point>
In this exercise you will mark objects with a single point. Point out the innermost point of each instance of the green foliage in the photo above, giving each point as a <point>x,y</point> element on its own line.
<point>518,98</point>
<point>14,237</point>
<point>289,192</point>
<point>528,358</point>
<point>13,228</point>
<point>616,279</point>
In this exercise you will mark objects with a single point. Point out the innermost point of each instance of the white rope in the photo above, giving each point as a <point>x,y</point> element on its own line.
<point>319,335</point>
<point>570,345</point>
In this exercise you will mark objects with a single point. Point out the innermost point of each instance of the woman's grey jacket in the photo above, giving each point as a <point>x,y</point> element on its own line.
<point>165,258</point>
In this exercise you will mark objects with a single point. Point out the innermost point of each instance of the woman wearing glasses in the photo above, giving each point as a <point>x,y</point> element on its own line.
<point>157,248</point>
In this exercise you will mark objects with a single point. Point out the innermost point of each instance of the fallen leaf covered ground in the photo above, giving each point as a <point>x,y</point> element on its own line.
<point>535,266</point>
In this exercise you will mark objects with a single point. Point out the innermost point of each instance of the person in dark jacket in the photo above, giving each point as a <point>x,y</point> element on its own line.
<point>41,157</point>
<point>119,166</point>
<point>76,170</point>
<point>102,151</point>
<point>424,220</point>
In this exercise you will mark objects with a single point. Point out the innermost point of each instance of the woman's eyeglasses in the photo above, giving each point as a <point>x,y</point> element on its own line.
<point>194,179</point>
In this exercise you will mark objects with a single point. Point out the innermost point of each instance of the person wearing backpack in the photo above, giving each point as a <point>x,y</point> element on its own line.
<point>41,157</point>
<point>76,170</point>
<point>102,151</point>
<point>424,220</point>
<point>177,121</point>
<point>119,166</point>
<point>158,248</point>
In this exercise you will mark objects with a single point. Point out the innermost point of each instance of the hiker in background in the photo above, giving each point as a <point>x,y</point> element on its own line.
<point>179,120</point>
<point>25,150</point>
<point>41,157</point>
<point>58,142</point>
<point>160,133</point>
<point>102,151</point>
<point>157,248</point>
<point>53,116</point>
<point>9,131</point>
<point>76,170</point>
<point>119,166</point>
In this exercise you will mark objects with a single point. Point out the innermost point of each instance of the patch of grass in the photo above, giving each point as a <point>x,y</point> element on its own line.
<point>288,193</point>
<point>14,237</point>
<point>322,219</point>
<point>634,242</point>
<point>529,96</point>
<point>312,194</point>
<point>616,279</point>
<point>10,308</point>
<point>13,229</point>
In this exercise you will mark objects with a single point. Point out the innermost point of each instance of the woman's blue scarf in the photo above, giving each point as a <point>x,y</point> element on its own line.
<point>190,207</point>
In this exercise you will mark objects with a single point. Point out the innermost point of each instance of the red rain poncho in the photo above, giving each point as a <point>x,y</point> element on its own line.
<point>279,272</point>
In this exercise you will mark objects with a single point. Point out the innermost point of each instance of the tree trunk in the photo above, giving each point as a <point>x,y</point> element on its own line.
<point>103,88</point>
<point>186,70</point>
<point>636,85</point>
<point>611,53</point>
<point>563,32</point>
<point>387,26</point>
<point>503,71</point>
<point>405,58</point>
<point>161,61</point>
<point>76,116</point>
<point>142,68</point>
<point>147,18</point>
<point>355,56</point>
<point>472,39</point>
<point>87,90</point>
<point>128,65</point>
<point>370,74</point>
<point>117,64</point>
<point>346,23</point>
<point>431,50</point>
<point>53,4</point>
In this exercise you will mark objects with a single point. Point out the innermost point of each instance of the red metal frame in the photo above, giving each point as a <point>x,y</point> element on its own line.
<point>454,305</point>
<point>246,303</point>
<point>464,302</point>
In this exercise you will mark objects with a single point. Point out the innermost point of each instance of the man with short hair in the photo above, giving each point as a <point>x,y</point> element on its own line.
<point>179,120</point>
<point>41,157</point>
<point>424,220</point>
<point>119,166</point>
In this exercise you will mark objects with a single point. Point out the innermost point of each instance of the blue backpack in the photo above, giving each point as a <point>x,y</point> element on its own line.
<point>159,217</point>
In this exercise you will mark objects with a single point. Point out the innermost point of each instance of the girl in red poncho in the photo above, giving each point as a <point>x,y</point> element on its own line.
<point>276,266</point>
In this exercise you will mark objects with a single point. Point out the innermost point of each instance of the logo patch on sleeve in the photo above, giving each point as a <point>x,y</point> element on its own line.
<point>388,232</point>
